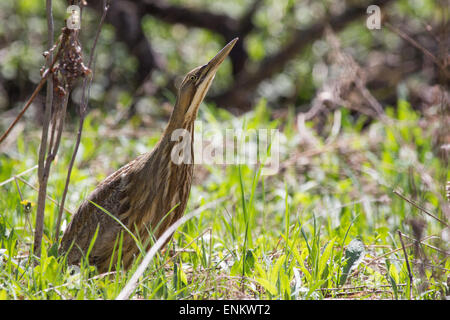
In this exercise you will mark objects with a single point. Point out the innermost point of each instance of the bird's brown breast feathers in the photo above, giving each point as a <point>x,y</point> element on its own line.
<point>139,198</point>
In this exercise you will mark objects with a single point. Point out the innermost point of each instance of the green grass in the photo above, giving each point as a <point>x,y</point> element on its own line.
<point>269,237</point>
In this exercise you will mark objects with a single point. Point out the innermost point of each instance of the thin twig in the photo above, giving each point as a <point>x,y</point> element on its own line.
<point>42,163</point>
<point>42,193</point>
<point>249,80</point>
<point>361,287</point>
<point>426,244</point>
<point>83,111</point>
<point>395,250</point>
<point>420,207</point>
<point>418,46</point>
<point>18,189</point>
<point>18,175</point>
<point>60,118</point>
<point>48,197</point>
<point>27,217</point>
<point>33,95</point>
<point>49,97</point>
<point>41,83</point>
<point>407,264</point>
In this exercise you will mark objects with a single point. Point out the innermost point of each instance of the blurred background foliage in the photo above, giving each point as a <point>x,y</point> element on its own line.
<point>313,70</point>
<point>147,45</point>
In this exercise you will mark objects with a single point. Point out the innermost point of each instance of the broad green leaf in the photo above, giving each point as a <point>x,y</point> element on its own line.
<point>394,273</point>
<point>300,259</point>
<point>249,262</point>
<point>285,284</point>
<point>260,271</point>
<point>353,256</point>
<point>268,286</point>
<point>183,276</point>
<point>325,257</point>
<point>276,268</point>
<point>51,270</point>
<point>236,269</point>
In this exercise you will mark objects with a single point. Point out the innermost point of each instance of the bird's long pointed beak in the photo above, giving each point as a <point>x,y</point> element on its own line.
<point>207,73</point>
<point>215,62</point>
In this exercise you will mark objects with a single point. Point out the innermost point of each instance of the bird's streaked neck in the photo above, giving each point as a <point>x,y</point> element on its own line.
<point>185,110</point>
<point>179,120</point>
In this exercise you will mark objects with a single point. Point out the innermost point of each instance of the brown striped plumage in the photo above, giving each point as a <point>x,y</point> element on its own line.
<point>142,192</point>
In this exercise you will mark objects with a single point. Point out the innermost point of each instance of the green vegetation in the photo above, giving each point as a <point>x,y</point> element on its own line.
<point>324,227</point>
<point>268,237</point>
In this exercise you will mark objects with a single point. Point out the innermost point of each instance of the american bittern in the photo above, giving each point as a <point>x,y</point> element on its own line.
<point>144,191</point>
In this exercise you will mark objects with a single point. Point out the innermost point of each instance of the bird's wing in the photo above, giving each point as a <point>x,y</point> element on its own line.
<point>110,195</point>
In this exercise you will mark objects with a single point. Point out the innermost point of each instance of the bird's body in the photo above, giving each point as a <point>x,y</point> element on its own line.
<point>148,194</point>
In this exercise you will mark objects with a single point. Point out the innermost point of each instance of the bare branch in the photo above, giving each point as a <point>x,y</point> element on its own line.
<point>126,16</point>
<point>237,95</point>
<point>83,112</point>
<point>43,180</point>
<point>222,24</point>
<point>18,175</point>
<point>417,45</point>
<point>42,193</point>
<point>420,207</point>
<point>41,83</point>
<point>407,264</point>
<point>192,17</point>
<point>49,97</point>
<point>37,189</point>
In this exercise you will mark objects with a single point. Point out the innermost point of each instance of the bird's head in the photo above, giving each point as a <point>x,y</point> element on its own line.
<point>195,85</point>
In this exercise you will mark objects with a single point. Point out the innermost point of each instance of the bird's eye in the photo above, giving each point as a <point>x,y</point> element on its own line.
<point>193,78</point>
